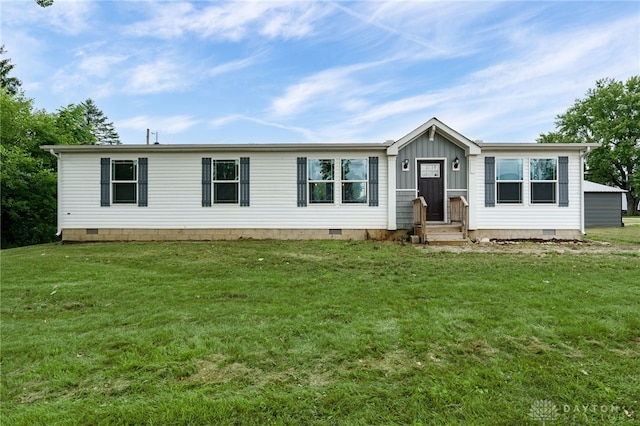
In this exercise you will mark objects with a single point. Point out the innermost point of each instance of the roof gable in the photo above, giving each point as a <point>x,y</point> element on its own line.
<point>431,126</point>
<point>589,186</point>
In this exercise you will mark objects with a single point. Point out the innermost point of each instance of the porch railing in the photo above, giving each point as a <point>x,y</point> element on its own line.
<point>459,212</point>
<point>419,217</point>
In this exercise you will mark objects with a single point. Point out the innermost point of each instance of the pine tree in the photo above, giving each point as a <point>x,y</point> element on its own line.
<point>103,130</point>
<point>11,84</point>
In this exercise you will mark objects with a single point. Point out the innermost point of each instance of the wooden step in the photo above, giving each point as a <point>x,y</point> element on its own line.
<point>439,229</point>
<point>445,235</point>
<point>449,239</point>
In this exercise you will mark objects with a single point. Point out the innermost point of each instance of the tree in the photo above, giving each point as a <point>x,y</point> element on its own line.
<point>27,173</point>
<point>11,84</point>
<point>44,3</point>
<point>72,127</point>
<point>103,131</point>
<point>608,115</point>
<point>28,207</point>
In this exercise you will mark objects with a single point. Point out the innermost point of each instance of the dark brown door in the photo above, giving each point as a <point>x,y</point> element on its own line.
<point>431,187</point>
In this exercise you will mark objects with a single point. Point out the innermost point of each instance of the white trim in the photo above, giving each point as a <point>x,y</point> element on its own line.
<point>60,194</point>
<point>218,148</point>
<point>392,224</point>
<point>582,196</point>
<point>472,195</point>
<point>444,175</point>
<point>458,139</point>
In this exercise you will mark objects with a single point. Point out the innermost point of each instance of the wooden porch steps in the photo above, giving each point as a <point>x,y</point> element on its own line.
<point>454,233</point>
<point>445,234</point>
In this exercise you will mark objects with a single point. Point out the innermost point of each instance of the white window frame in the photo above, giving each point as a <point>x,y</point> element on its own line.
<point>115,182</point>
<point>553,181</point>
<point>311,166</point>
<point>364,181</point>
<point>215,182</point>
<point>509,181</point>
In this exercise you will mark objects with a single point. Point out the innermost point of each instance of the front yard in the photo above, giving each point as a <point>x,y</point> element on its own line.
<point>270,332</point>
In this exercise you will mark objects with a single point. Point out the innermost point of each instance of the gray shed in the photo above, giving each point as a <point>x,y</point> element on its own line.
<point>602,205</point>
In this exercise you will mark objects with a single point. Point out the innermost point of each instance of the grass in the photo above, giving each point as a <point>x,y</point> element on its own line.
<point>315,333</point>
<point>629,234</point>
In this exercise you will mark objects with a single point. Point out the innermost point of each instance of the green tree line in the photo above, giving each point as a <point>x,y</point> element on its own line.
<point>28,177</point>
<point>610,116</point>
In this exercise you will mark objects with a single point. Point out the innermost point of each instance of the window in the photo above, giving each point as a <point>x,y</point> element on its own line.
<point>124,181</point>
<point>225,181</point>
<point>509,181</point>
<point>354,181</point>
<point>321,180</point>
<point>544,177</point>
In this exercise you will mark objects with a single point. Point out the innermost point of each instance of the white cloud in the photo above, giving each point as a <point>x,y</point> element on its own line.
<point>172,124</point>
<point>521,93</point>
<point>100,65</point>
<point>65,16</point>
<point>231,20</point>
<point>156,77</point>
<point>222,121</point>
<point>336,87</point>
<point>425,29</point>
<point>232,66</point>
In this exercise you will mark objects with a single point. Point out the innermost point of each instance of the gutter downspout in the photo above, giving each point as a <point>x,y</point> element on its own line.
<point>59,158</point>
<point>582,212</point>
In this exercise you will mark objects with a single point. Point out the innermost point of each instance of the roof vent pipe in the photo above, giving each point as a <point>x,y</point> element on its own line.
<point>432,132</point>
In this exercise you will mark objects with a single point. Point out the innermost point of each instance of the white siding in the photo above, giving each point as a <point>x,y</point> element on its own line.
<point>527,215</point>
<point>174,194</point>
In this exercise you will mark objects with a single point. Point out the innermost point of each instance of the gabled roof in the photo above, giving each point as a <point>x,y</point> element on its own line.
<point>435,125</point>
<point>597,187</point>
<point>475,147</point>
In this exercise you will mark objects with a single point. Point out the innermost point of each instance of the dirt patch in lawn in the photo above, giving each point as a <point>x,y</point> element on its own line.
<point>535,246</point>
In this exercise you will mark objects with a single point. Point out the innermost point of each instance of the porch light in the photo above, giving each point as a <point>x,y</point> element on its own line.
<point>456,164</point>
<point>405,165</point>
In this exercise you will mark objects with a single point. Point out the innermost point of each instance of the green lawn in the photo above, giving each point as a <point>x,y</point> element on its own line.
<point>316,333</point>
<point>629,234</point>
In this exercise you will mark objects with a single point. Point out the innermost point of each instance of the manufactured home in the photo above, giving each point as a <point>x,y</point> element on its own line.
<point>434,183</point>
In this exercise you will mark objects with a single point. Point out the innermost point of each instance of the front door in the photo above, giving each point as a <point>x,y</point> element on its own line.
<point>431,187</point>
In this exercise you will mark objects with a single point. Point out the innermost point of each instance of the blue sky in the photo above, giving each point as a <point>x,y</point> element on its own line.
<point>319,71</point>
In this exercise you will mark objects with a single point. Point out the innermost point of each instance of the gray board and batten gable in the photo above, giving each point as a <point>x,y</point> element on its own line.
<point>432,140</point>
<point>422,148</point>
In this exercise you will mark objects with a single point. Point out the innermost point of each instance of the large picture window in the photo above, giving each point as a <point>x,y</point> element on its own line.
<point>321,181</point>
<point>354,181</point>
<point>124,181</point>
<point>509,180</point>
<point>225,181</point>
<point>544,178</point>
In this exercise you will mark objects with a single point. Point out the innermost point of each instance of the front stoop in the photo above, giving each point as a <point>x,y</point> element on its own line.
<point>445,234</point>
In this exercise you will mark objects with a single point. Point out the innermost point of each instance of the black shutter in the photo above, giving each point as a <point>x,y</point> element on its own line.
<point>105,182</point>
<point>206,182</point>
<point>563,181</point>
<point>373,181</point>
<point>142,181</point>
<point>489,181</point>
<point>302,181</point>
<point>244,181</point>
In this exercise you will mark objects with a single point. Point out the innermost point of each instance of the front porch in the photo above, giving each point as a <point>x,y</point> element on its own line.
<point>453,232</point>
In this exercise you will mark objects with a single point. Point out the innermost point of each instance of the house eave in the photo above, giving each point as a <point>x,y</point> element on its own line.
<point>300,147</point>
<point>533,146</point>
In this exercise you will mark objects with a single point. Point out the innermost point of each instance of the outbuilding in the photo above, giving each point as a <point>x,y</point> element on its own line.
<point>603,205</point>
